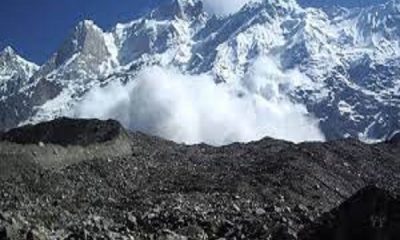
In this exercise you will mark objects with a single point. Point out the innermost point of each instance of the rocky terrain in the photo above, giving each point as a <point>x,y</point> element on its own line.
<point>341,66</point>
<point>90,179</point>
<point>372,213</point>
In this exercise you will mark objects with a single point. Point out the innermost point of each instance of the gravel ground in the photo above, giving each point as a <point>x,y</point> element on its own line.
<point>123,185</point>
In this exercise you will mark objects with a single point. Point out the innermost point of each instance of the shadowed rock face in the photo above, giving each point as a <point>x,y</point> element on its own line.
<point>65,132</point>
<point>395,139</point>
<point>83,186</point>
<point>371,214</point>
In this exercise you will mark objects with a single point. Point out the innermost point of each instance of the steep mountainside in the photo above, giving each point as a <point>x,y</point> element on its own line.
<point>14,72</point>
<point>341,64</point>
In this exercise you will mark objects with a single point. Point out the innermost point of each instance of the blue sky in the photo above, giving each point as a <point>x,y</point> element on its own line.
<point>35,28</point>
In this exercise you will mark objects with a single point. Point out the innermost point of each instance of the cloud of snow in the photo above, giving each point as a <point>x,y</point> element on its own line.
<point>193,109</point>
<point>224,7</point>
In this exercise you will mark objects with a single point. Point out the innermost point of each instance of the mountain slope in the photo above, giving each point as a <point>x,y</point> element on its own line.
<point>15,72</point>
<point>340,65</point>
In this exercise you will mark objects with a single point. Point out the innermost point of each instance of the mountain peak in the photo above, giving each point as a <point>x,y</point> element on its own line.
<point>285,4</point>
<point>10,56</point>
<point>281,7</point>
<point>87,24</point>
<point>14,71</point>
<point>84,48</point>
<point>8,51</point>
<point>86,37</point>
<point>83,30</point>
<point>185,3</point>
<point>185,9</point>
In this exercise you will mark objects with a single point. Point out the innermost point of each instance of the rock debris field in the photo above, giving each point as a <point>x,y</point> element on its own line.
<point>91,179</point>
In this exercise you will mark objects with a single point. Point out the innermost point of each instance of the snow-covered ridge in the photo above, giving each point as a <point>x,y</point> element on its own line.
<point>340,65</point>
<point>8,56</point>
<point>15,71</point>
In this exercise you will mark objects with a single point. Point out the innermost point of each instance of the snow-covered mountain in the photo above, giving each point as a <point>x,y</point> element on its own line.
<point>342,65</point>
<point>15,71</point>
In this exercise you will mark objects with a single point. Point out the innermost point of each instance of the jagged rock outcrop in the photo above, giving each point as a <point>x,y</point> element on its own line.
<point>60,143</point>
<point>65,132</point>
<point>83,56</point>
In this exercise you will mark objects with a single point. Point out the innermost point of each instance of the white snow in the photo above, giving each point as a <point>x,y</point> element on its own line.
<point>270,57</point>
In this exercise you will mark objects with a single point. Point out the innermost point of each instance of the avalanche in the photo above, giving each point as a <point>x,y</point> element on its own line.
<point>269,68</point>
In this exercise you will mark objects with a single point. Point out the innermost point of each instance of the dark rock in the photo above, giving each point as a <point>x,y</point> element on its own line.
<point>371,214</point>
<point>395,138</point>
<point>65,131</point>
<point>284,233</point>
<point>3,232</point>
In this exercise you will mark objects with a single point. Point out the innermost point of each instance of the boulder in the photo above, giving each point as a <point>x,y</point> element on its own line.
<point>65,131</point>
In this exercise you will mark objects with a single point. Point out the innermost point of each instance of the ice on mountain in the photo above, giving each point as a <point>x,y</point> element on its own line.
<point>343,62</point>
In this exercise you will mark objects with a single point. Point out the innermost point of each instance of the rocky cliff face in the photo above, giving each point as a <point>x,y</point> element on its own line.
<point>129,185</point>
<point>83,56</point>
